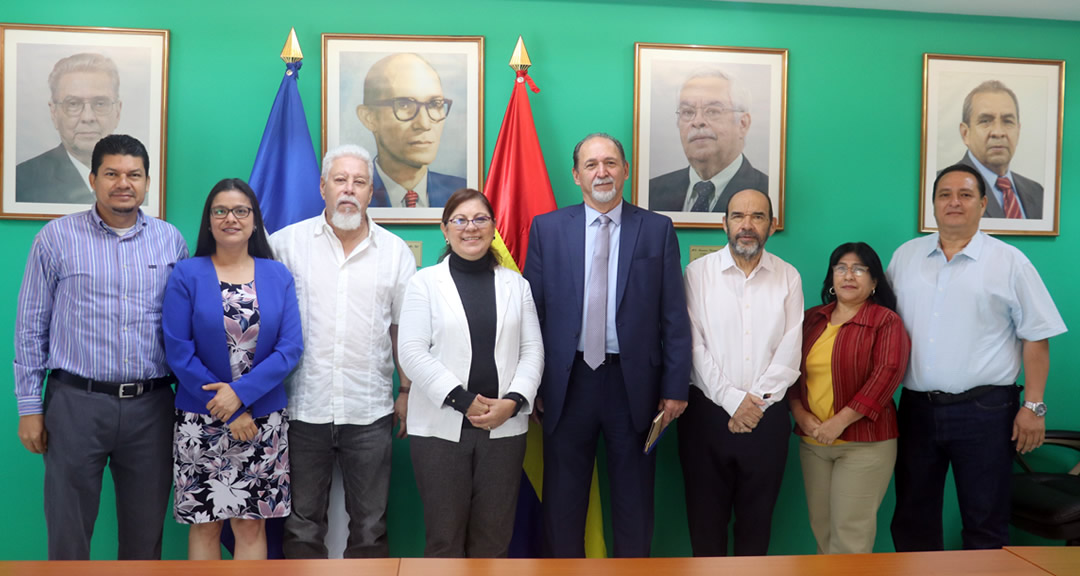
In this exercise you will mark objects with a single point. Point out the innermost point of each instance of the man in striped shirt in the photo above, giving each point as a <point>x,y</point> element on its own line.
<point>89,317</point>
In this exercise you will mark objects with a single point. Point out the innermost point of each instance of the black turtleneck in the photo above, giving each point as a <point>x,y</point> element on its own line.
<point>475,281</point>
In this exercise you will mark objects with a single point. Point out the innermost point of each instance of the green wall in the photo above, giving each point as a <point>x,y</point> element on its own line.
<point>854,125</point>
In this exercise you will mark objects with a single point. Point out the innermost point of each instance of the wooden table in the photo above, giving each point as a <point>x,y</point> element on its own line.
<point>377,567</point>
<point>1009,562</point>
<point>1058,560</point>
<point>983,562</point>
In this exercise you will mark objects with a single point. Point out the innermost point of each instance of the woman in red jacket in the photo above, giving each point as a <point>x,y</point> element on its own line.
<point>855,353</point>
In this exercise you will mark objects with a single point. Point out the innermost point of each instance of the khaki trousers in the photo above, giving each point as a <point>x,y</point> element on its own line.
<point>845,484</point>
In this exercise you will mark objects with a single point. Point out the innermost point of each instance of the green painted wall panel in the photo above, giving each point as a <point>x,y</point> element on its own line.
<point>854,125</point>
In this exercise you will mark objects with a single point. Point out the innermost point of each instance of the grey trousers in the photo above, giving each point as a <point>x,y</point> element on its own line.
<point>469,490</point>
<point>363,454</point>
<point>88,430</point>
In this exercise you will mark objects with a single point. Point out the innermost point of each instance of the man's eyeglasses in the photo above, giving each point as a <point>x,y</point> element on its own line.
<point>75,106</point>
<point>221,212</point>
<point>462,223</point>
<point>711,113</point>
<point>405,109</point>
<point>857,270</point>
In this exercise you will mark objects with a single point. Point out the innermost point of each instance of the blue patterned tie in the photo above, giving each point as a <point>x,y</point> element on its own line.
<point>704,191</point>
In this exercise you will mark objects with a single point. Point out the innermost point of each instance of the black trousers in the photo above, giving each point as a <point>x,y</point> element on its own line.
<point>597,403</point>
<point>725,472</point>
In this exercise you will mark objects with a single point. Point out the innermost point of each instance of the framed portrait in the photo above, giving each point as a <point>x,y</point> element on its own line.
<point>64,88</point>
<point>1002,117</point>
<point>416,103</point>
<point>709,121</point>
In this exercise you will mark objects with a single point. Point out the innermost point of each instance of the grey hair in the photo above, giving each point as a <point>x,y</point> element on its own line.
<point>345,151</point>
<point>990,86</point>
<point>740,96</point>
<point>84,62</point>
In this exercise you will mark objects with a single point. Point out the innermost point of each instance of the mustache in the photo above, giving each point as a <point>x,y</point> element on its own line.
<point>348,200</point>
<point>602,181</point>
<point>700,132</point>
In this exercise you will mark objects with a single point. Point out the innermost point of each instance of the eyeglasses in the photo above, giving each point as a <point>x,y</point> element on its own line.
<point>480,222</point>
<point>75,106</point>
<point>857,270</point>
<point>711,113</point>
<point>221,212</point>
<point>405,109</point>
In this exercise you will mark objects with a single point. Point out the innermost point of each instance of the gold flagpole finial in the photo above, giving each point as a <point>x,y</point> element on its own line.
<point>520,60</point>
<point>291,52</point>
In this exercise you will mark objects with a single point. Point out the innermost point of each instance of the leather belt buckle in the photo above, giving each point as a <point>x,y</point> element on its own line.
<point>123,389</point>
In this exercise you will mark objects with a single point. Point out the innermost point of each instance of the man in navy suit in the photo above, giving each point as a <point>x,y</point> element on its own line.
<point>607,282</point>
<point>405,110</point>
<point>713,118</point>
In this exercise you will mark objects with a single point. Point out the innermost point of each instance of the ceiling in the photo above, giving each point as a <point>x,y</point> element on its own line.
<point>1047,9</point>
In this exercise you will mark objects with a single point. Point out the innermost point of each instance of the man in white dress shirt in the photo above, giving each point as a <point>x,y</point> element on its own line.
<point>350,276</point>
<point>746,311</point>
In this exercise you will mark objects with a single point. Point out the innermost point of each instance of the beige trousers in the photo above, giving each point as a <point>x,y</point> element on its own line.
<point>845,484</point>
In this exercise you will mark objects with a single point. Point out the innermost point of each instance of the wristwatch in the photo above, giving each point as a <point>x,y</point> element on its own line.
<point>1038,408</point>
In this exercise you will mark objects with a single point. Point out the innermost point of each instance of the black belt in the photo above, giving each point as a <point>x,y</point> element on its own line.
<point>608,358</point>
<point>936,397</point>
<point>118,389</point>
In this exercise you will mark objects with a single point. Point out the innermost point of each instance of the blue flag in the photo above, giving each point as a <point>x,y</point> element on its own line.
<point>286,174</point>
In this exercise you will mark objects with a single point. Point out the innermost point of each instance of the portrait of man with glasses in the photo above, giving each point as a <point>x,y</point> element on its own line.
<point>85,107</point>
<point>405,109</point>
<point>713,118</point>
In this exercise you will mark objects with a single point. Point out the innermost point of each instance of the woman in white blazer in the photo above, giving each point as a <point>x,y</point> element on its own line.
<point>469,340</point>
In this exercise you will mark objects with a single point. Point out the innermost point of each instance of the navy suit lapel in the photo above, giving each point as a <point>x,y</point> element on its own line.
<point>628,235</point>
<point>379,197</point>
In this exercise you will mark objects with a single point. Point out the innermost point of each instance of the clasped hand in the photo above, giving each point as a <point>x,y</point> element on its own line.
<point>225,403</point>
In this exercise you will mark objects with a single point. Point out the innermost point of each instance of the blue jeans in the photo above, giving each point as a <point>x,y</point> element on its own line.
<point>974,436</point>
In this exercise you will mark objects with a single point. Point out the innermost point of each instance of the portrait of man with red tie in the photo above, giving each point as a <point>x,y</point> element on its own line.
<point>991,131</point>
<point>1001,117</point>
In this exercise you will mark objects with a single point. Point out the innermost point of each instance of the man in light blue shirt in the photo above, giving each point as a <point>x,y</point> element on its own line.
<point>976,310</point>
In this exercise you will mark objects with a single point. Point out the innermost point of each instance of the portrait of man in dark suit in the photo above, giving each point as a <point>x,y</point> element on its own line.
<point>405,109</point>
<point>990,128</point>
<point>713,119</point>
<point>84,107</point>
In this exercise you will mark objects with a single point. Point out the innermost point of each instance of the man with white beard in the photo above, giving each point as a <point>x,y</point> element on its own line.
<point>607,283</point>
<point>746,312</point>
<point>350,276</point>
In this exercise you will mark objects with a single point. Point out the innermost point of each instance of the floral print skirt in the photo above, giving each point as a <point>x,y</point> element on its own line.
<point>218,477</point>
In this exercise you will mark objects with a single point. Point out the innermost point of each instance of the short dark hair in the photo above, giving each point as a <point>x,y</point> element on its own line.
<point>118,145</point>
<point>258,245</point>
<point>459,197</point>
<point>768,201</point>
<point>961,168</point>
<point>883,294</point>
<point>988,87</point>
<point>618,145</point>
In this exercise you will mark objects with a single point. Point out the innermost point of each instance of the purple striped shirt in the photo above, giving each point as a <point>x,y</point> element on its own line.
<point>90,302</point>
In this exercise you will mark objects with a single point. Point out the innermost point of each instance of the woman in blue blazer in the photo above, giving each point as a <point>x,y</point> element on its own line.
<point>232,335</point>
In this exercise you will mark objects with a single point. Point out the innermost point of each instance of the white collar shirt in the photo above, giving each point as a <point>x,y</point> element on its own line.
<point>347,305</point>
<point>396,192</point>
<point>968,317</point>
<point>746,330</point>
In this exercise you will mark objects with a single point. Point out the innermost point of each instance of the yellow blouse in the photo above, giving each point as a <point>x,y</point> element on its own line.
<point>819,385</point>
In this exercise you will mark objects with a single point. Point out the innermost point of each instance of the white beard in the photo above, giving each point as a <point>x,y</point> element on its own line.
<point>604,197</point>
<point>350,221</point>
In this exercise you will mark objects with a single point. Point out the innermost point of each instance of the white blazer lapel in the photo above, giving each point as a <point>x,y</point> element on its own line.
<point>452,301</point>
